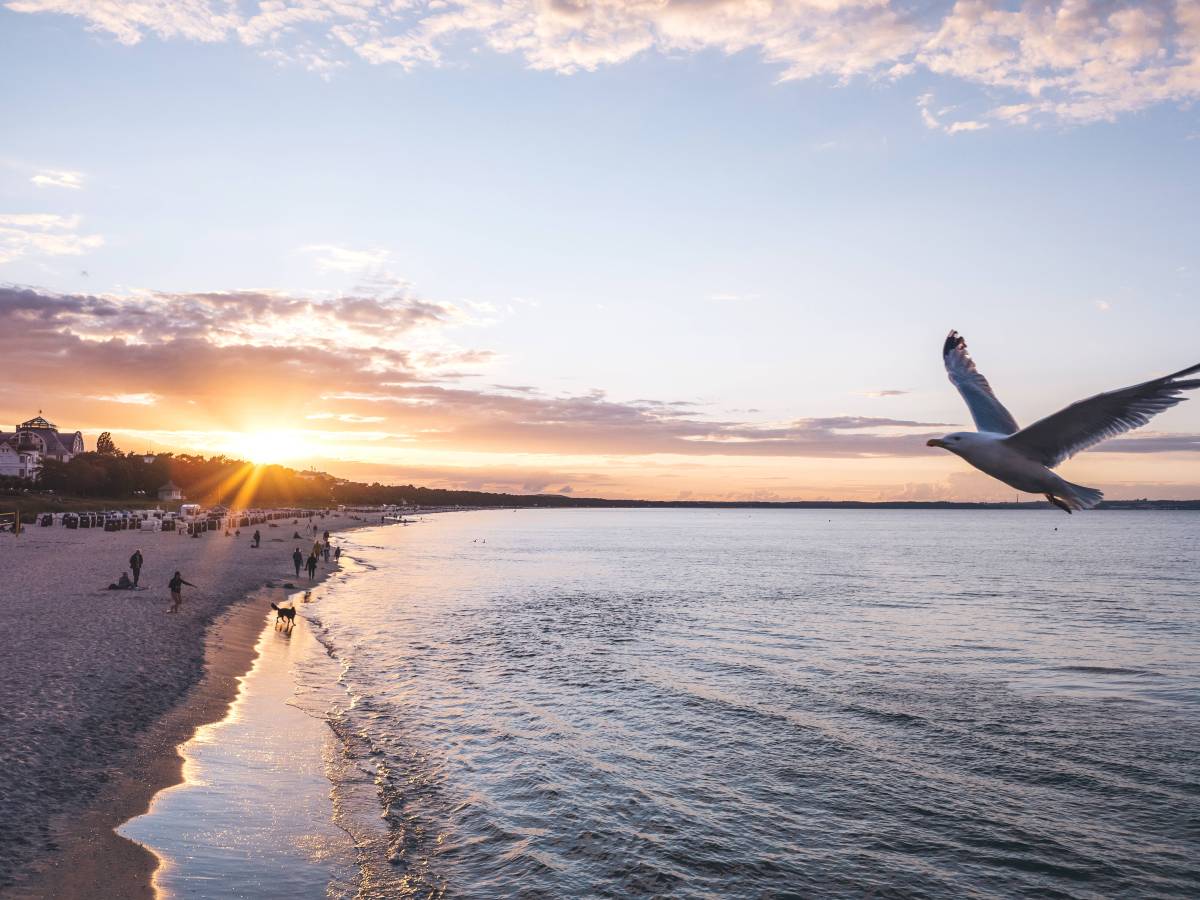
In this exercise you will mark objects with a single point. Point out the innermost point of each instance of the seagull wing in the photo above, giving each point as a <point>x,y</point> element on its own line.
<point>988,412</point>
<point>1057,438</point>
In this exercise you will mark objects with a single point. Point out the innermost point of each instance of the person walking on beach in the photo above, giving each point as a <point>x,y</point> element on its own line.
<point>312,567</point>
<point>298,559</point>
<point>257,538</point>
<point>135,564</point>
<point>176,585</point>
<point>325,551</point>
<point>337,554</point>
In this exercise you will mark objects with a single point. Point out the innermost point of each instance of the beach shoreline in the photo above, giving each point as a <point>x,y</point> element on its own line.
<point>82,855</point>
<point>95,861</point>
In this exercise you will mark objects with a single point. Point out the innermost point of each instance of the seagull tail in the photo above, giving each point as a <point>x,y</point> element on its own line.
<point>1079,497</point>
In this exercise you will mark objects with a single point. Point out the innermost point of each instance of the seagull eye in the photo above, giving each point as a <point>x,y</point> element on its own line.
<point>958,439</point>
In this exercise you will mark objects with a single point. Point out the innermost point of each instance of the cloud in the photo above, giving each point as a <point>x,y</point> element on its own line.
<point>886,392</point>
<point>43,234</point>
<point>1103,305</point>
<point>1072,61</point>
<point>1152,442</point>
<point>251,357</point>
<point>934,120</point>
<point>143,399</point>
<point>192,367</point>
<point>333,258</point>
<point>56,178</point>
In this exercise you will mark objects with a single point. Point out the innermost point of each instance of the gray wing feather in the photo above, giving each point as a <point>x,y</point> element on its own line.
<point>1058,437</point>
<point>988,412</point>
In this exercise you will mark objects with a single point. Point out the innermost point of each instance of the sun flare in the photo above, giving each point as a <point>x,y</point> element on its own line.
<point>266,447</point>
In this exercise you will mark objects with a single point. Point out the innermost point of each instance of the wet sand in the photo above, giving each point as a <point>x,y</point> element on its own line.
<point>98,687</point>
<point>253,816</point>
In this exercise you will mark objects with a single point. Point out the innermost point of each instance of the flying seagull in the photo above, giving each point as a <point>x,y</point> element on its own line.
<point>1023,457</point>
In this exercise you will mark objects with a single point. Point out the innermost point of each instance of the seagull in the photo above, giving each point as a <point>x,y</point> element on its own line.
<point>1023,457</point>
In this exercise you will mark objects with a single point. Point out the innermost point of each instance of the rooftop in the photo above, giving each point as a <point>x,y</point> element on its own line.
<point>38,423</point>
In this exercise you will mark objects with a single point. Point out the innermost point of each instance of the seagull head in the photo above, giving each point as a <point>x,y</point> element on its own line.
<point>955,442</point>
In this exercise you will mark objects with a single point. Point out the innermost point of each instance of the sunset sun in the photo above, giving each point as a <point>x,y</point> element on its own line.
<point>269,446</point>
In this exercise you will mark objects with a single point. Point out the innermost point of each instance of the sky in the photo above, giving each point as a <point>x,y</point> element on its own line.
<point>700,249</point>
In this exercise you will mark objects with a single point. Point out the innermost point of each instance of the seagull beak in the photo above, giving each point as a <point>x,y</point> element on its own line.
<point>935,442</point>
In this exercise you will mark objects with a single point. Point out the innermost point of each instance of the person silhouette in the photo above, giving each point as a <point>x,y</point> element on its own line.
<point>176,585</point>
<point>135,565</point>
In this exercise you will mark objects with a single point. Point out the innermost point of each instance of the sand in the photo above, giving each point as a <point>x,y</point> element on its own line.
<point>98,687</point>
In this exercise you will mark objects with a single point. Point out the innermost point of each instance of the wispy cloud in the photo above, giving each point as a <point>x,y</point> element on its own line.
<point>335,258</point>
<point>59,179</point>
<point>886,392</point>
<point>1071,60</point>
<point>143,399</point>
<point>935,119</point>
<point>43,234</point>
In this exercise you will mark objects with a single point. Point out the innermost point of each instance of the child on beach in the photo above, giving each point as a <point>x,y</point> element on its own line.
<point>176,585</point>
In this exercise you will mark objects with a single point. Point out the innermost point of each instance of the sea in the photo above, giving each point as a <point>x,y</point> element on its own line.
<point>733,703</point>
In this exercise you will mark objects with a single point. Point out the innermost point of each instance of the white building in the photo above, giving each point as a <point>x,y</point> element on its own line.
<point>22,451</point>
<point>18,464</point>
<point>170,491</point>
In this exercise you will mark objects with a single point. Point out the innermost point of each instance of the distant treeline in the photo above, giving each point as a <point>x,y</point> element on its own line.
<point>117,476</point>
<point>114,476</point>
<point>208,480</point>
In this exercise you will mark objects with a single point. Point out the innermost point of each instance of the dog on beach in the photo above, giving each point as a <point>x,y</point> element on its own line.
<point>284,614</point>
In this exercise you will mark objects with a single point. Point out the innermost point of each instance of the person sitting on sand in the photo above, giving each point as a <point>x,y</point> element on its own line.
<point>135,564</point>
<point>298,559</point>
<point>176,585</point>
<point>122,584</point>
<point>312,567</point>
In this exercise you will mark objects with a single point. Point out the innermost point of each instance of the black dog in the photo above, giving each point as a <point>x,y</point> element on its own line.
<point>284,614</point>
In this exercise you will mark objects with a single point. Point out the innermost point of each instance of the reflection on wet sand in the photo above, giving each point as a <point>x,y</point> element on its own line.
<point>253,814</point>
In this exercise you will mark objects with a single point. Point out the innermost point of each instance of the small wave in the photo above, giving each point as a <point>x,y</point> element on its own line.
<point>1105,670</point>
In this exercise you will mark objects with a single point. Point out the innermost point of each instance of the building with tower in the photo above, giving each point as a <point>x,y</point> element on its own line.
<point>22,451</point>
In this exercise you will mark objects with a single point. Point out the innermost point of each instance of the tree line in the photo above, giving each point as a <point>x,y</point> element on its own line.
<point>111,475</point>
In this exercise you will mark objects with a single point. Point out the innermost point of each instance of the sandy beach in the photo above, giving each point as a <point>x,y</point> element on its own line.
<point>98,687</point>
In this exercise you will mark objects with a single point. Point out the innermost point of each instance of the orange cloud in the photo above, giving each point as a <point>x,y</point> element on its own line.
<point>208,371</point>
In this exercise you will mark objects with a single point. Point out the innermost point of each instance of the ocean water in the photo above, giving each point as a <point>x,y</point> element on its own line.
<point>746,704</point>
